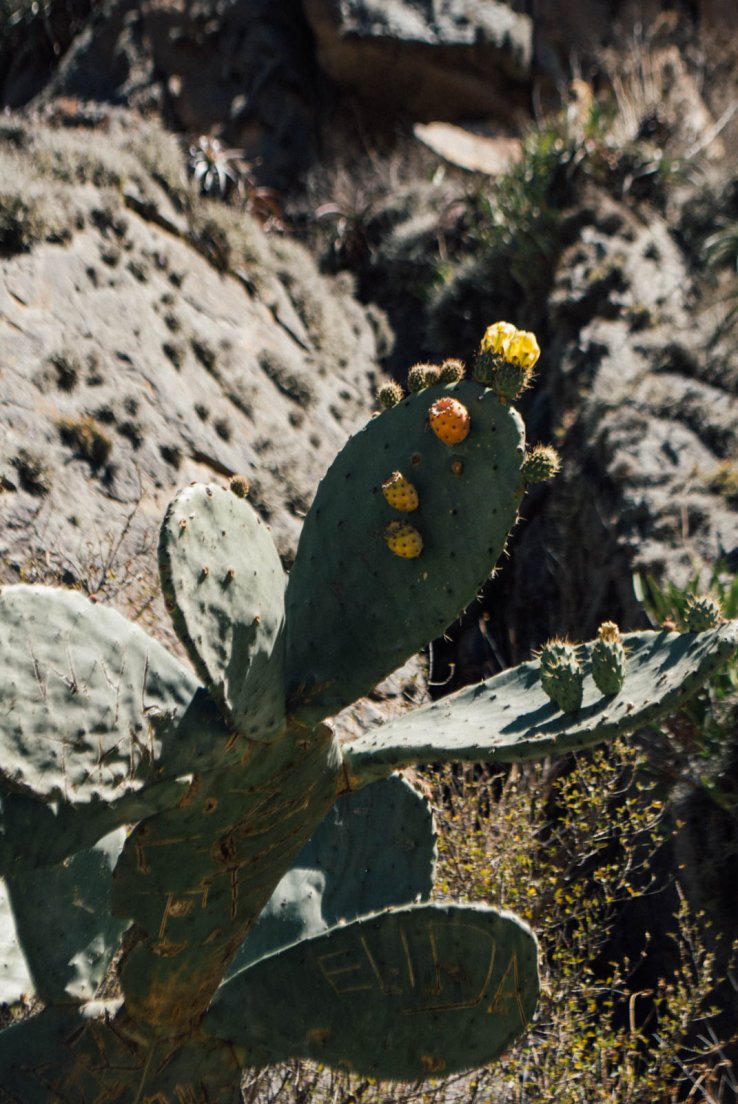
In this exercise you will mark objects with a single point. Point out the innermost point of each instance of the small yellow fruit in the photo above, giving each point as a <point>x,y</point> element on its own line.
<point>497,337</point>
<point>449,419</point>
<point>400,493</point>
<point>522,349</point>
<point>403,539</point>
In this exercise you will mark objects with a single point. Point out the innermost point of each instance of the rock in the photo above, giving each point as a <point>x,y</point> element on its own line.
<point>150,338</point>
<point>470,147</point>
<point>647,418</point>
<point>448,60</point>
<point>223,66</point>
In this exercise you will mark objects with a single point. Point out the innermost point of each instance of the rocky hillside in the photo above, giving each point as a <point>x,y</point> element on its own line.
<point>221,224</point>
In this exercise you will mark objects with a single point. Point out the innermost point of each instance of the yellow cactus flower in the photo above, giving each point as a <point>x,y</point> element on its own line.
<point>496,338</point>
<point>522,349</point>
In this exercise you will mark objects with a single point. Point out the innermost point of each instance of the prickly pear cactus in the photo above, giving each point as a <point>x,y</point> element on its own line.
<point>201,847</point>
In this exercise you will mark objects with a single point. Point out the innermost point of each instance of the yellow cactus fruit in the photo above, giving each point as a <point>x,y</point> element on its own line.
<point>400,493</point>
<point>403,539</point>
<point>449,419</point>
<point>522,349</point>
<point>497,337</point>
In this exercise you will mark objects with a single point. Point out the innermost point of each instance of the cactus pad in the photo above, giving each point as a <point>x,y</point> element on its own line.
<point>406,994</point>
<point>64,923</point>
<point>223,582</point>
<point>90,702</point>
<point>355,613</point>
<point>386,832</point>
<point>509,717</point>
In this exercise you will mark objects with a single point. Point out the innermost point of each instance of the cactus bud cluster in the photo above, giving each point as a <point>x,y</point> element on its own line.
<point>506,359</point>
<point>421,376</point>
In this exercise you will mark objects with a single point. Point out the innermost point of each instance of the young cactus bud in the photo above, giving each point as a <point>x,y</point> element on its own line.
<point>608,659</point>
<point>403,539</point>
<point>449,419</point>
<point>702,613</point>
<point>421,376</point>
<point>562,676</point>
<point>389,394</point>
<point>452,371</point>
<point>239,486</point>
<point>400,493</point>
<point>509,380</point>
<point>541,462</point>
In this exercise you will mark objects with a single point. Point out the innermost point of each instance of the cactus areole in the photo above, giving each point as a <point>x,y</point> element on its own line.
<point>192,838</point>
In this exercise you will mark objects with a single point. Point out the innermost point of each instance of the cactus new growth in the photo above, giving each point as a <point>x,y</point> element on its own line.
<point>541,462</point>
<point>702,613</point>
<point>562,677</point>
<point>390,394</point>
<point>421,376</point>
<point>195,840</point>
<point>608,659</point>
<point>452,371</point>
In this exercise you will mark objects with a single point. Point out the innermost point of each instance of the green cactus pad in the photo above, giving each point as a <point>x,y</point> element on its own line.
<point>89,703</point>
<point>224,585</point>
<point>404,994</point>
<point>375,848</point>
<point>15,979</point>
<point>355,611</point>
<point>510,718</point>
<point>64,922</point>
<point>195,878</point>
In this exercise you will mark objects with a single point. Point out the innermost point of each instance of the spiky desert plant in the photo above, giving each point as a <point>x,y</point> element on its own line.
<point>261,889</point>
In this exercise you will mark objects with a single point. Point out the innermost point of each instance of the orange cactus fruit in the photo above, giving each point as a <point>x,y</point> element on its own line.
<point>403,539</point>
<point>449,419</point>
<point>400,493</point>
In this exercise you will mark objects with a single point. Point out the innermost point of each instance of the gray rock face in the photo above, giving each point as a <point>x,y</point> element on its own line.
<point>428,60</point>
<point>646,404</point>
<point>152,346</point>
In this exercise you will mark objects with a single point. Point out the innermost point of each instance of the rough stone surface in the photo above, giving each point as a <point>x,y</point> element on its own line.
<point>645,403</point>
<point>427,60</point>
<point>133,362</point>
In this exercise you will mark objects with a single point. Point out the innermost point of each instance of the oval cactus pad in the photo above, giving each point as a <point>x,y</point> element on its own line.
<point>223,581</point>
<point>89,701</point>
<point>356,610</point>
<point>404,994</point>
